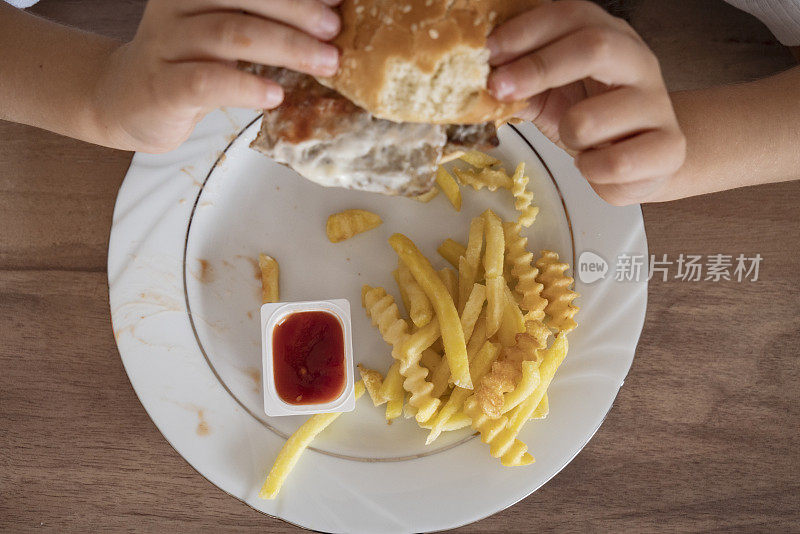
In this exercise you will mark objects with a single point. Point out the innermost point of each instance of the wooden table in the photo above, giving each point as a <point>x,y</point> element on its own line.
<point>702,435</point>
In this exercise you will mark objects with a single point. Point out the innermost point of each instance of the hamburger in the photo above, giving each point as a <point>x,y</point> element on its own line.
<point>410,94</point>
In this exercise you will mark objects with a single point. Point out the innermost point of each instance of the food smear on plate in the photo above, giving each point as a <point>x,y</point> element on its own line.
<point>309,358</point>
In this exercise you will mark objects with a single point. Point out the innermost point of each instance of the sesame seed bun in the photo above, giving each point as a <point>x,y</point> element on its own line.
<point>422,60</point>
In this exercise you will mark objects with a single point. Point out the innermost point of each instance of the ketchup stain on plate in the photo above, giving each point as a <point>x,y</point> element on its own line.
<point>309,358</point>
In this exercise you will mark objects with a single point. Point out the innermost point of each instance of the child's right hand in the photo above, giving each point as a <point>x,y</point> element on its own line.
<point>182,64</point>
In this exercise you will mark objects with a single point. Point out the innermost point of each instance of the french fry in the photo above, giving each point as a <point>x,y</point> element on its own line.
<point>427,197</point>
<point>455,348</point>
<point>392,386</point>
<point>505,446</point>
<point>466,280</point>
<point>529,342</point>
<point>270,276</point>
<point>495,245</point>
<point>293,448</point>
<point>449,186</point>
<point>472,310</point>
<point>526,386</point>
<point>394,409</point>
<point>501,379</point>
<point>474,248</point>
<point>451,251</point>
<point>440,379</point>
<point>346,224</point>
<point>408,353</point>
<point>430,359</point>
<point>520,260</point>
<point>402,289</point>
<point>542,410</point>
<point>481,363</point>
<point>492,179</point>
<point>392,391</point>
<point>512,323</point>
<point>523,199</point>
<point>479,159</point>
<point>419,307</point>
<point>495,303</point>
<point>409,412</point>
<point>560,309</point>
<point>457,421</point>
<point>372,380</point>
<point>450,280</point>
<point>441,376</point>
<point>384,313</point>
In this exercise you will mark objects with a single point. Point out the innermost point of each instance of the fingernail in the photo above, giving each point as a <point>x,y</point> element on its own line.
<point>329,23</point>
<point>274,97</point>
<point>501,85</point>
<point>327,59</point>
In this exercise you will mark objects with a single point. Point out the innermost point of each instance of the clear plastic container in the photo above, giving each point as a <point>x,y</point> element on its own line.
<point>271,316</point>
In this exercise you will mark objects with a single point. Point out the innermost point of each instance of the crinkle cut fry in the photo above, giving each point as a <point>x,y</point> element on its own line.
<point>525,273</point>
<point>523,199</point>
<point>560,309</point>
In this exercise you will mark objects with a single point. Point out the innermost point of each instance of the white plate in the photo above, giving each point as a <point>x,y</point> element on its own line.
<point>185,299</point>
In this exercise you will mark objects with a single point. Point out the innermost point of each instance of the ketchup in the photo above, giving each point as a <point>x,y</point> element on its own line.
<point>308,358</point>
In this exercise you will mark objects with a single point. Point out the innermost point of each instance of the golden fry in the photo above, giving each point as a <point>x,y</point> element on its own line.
<point>495,245</point>
<point>503,446</point>
<point>492,179</point>
<point>523,199</point>
<point>525,387</point>
<point>520,260</point>
<point>479,365</point>
<point>512,323</point>
<point>479,159</point>
<point>450,280</point>
<point>466,281</point>
<point>346,224</point>
<point>455,348</point>
<point>430,359</point>
<point>472,310</point>
<point>542,410</point>
<point>501,379</point>
<point>560,309</point>
<point>408,353</point>
<point>457,421</point>
<point>294,447</point>
<point>372,380</point>
<point>475,242</point>
<point>419,307</point>
<point>384,313</point>
<point>401,288</point>
<point>495,303</point>
<point>392,387</point>
<point>270,276</point>
<point>449,186</point>
<point>451,251</point>
<point>394,409</point>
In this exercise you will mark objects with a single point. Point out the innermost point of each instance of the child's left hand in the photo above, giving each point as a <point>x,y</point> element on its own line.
<point>596,90</point>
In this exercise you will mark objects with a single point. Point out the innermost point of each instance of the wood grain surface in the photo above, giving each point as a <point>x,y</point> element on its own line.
<point>701,438</point>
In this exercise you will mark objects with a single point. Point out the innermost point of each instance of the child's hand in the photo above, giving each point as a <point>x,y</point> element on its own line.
<point>595,89</point>
<point>182,64</point>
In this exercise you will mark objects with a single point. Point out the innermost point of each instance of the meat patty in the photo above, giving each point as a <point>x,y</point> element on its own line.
<point>331,141</point>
